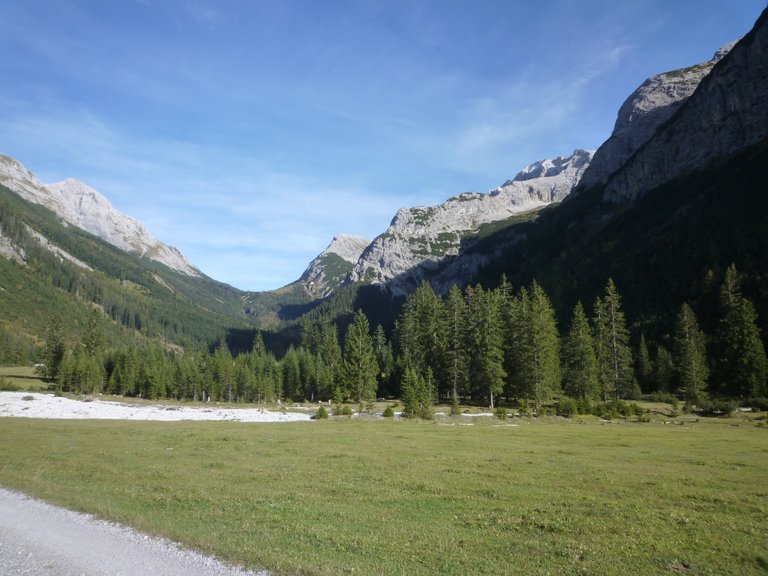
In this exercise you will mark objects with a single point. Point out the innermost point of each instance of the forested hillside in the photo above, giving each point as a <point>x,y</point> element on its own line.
<point>63,270</point>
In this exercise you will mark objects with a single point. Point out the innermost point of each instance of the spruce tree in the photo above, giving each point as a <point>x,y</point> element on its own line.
<point>456,361</point>
<point>580,376</point>
<point>359,367</point>
<point>690,356</point>
<point>742,364</point>
<point>644,365</point>
<point>53,347</point>
<point>486,344</point>
<point>612,343</point>
<point>545,344</point>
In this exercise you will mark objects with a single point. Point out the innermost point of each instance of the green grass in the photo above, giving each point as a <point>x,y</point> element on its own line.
<point>383,497</point>
<point>23,377</point>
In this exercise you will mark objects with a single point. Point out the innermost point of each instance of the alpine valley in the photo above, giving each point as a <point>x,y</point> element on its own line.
<point>674,196</point>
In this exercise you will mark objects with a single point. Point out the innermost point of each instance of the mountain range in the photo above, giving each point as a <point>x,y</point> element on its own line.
<point>557,220</point>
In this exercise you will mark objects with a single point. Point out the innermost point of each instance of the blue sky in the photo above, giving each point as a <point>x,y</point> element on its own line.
<point>248,133</point>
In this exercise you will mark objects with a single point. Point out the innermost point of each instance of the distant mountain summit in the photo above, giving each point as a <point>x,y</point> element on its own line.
<point>331,268</point>
<point>653,103</point>
<point>79,205</point>
<point>422,238</point>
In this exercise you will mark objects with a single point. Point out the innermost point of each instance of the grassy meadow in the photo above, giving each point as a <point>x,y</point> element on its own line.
<point>551,496</point>
<point>22,378</point>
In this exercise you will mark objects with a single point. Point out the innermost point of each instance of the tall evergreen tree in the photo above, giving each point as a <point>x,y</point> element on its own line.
<point>602,350</point>
<point>53,347</point>
<point>385,359</point>
<point>690,356</point>
<point>613,346</point>
<point>742,366</point>
<point>93,338</point>
<point>537,346</point>
<point>359,365</point>
<point>644,365</point>
<point>580,375</point>
<point>486,344</point>
<point>456,361</point>
<point>664,373</point>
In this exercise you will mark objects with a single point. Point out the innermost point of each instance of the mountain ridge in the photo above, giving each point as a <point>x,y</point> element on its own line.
<point>80,205</point>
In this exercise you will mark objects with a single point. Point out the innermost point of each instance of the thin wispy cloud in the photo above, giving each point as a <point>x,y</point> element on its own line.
<point>247,134</point>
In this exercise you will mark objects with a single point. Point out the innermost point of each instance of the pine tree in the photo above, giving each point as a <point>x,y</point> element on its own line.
<point>602,349</point>
<point>456,361</point>
<point>580,375</point>
<point>690,356</point>
<point>612,343</point>
<point>330,354</point>
<point>53,347</point>
<point>644,365</point>
<point>359,367</point>
<point>742,364</point>
<point>385,359</point>
<point>93,338</point>
<point>536,346</point>
<point>486,344</point>
<point>416,393</point>
<point>664,370</point>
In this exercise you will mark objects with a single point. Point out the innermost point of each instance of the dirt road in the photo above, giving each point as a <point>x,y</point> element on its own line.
<point>38,539</point>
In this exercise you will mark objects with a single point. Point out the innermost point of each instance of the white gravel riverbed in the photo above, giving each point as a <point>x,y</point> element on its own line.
<point>36,405</point>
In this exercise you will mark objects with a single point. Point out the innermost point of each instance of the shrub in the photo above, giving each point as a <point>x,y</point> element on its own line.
<point>500,413</point>
<point>389,412</point>
<point>760,404</point>
<point>455,409</point>
<point>717,407</point>
<point>346,411</point>
<point>566,407</point>
<point>8,386</point>
<point>322,413</point>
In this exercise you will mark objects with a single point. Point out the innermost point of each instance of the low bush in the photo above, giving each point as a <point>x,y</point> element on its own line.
<point>8,386</point>
<point>567,407</point>
<point>389,412</point>
<point>718,407</point>
<point>322,413</point>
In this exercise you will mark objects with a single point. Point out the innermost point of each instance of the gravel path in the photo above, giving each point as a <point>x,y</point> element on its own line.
<point>38,539</point>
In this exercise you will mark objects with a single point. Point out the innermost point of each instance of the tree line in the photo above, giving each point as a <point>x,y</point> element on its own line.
<point>478,345</point>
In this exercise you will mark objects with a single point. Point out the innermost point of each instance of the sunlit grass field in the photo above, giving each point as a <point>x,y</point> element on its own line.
<point>23,378</point>
<point>398,497</point>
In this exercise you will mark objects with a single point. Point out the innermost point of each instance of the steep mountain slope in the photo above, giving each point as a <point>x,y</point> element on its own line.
<point>690,201</point>
<point>49,266</point>
<point>422,239</point>
<point>643,112</point>
<point>82,206</point>
<point>727,113</point>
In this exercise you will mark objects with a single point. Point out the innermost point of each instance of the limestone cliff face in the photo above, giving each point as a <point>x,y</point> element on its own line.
<point>641,115</point>
<point>727,112</point>
<point>423,238</point>
<point>332,266</point>
<point>82,206</point>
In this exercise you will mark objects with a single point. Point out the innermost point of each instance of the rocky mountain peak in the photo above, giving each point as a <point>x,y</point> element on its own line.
<point>421,238</point>
<point>643,112</point>
<point>80,205</point>
<point>553,167</point>
<point>347,246</point>
<point>331,268</point>
<point>727,112</point>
